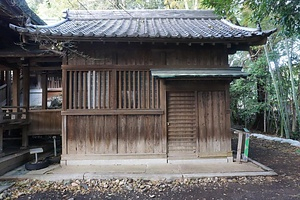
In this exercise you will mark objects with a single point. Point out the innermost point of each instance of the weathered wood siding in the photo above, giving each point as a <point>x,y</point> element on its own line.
<point>114,134</point>
<point>214,137</point>
<point>151,55</point>
<point>113,106</point>
<point>45,122</point>
<point>198,124</point>
<point>182,124</point>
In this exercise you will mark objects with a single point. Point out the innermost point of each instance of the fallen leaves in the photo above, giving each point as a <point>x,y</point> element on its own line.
<point>117,186</point>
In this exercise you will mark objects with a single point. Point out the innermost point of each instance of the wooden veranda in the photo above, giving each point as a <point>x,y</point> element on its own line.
<point>24,69</point>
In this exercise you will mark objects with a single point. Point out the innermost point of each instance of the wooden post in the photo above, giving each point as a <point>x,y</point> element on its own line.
<point>16,87</point>
<point>44,90</point>
<point>1,139</point>
<point>24,137</point>
<point>26,87</point>
<point>113,86</point>
<point>163,106</point>
<point>64,89</point>
<point>64,135</point>
<point>239,148</point>
<point>8,88</point>
<point>1,77</point>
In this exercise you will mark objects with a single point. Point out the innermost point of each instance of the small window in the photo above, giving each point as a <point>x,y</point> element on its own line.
<point>137,90</point>
<point>89,89</point>
<point>103,90</point>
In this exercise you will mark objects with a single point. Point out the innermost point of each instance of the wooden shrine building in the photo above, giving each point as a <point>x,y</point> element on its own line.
<point>24,66</point>
<point>145,86</point>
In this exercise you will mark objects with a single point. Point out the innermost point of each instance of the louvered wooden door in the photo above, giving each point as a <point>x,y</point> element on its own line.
<point>182,125</point>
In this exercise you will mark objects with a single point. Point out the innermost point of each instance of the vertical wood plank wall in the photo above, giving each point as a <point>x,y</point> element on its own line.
<point>137,124</point>
<point>45,122</point>
<point>206,130</point>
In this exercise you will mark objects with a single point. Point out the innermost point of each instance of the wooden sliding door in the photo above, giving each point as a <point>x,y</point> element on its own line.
<point>182,125</point>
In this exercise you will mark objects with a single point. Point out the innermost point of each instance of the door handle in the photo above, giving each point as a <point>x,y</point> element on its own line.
<point>168,123</point>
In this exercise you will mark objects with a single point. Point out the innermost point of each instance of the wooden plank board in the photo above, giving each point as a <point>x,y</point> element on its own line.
<point>84,90</point>
<point>75,91</point>
<point>139,134</point>
<point>71,135</point>
<point>80,90</point>
<point>211,108</point>
<point>81,133</point>
<point>216,125</point>
<point>110,133</point>
<point>209,121</point>
<point>202,124</point>
<point>90,133</point>
<point>181,125</point>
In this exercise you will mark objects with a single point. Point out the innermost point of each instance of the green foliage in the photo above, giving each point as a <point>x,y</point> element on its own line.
<point>244,93</point>
<point>282,13</point>
<point>184,4</point>
<point>54,8</point>
<point>140,4</point>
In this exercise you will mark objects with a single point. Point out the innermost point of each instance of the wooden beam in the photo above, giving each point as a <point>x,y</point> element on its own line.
<point>135,67</point>
<point>48,68</point>
<point>78,112</point>
<point>18,52</point>
<point>46,59</point>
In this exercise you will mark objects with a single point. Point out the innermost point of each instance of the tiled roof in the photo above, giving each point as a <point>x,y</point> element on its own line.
<point>194,25</point>
<point>18,12</point>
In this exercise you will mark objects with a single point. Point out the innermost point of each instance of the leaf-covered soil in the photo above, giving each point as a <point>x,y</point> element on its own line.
<point>283,158</point>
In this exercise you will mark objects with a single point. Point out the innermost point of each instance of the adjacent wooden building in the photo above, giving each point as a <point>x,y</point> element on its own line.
<point>23,65</point>
<point>145,86</point>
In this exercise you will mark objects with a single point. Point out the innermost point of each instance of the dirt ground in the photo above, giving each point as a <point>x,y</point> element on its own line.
<point>283,158</point>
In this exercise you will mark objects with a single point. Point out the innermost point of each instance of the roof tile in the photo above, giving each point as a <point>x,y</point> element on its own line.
<point>169,24</point>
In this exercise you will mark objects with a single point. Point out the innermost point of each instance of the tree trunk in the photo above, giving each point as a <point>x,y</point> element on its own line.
<point>265,113</point>
<point>279,99</point>
<point>186,5</point>
<point>295,99</point>
<point>259,119</point>
<point>196,5</point>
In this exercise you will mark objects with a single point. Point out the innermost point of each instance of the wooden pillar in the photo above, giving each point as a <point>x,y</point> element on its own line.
<point>26,94</point>
<point>64,117</point>
<point>8,87</point>
<point>64,135</point>
<point>227,132</point>
<point>1,77</point>
<point>44,90</point>
<point>64,89</point>
<point>239,148</point>
<point>1,139</point>
<point>113,86</point>
<point>163,106</point>
<point>24,137</point>
<point>26,86</point>
<point>16,87</point>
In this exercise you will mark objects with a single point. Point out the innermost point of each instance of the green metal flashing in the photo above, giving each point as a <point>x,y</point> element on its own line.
<point>201,73</point>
